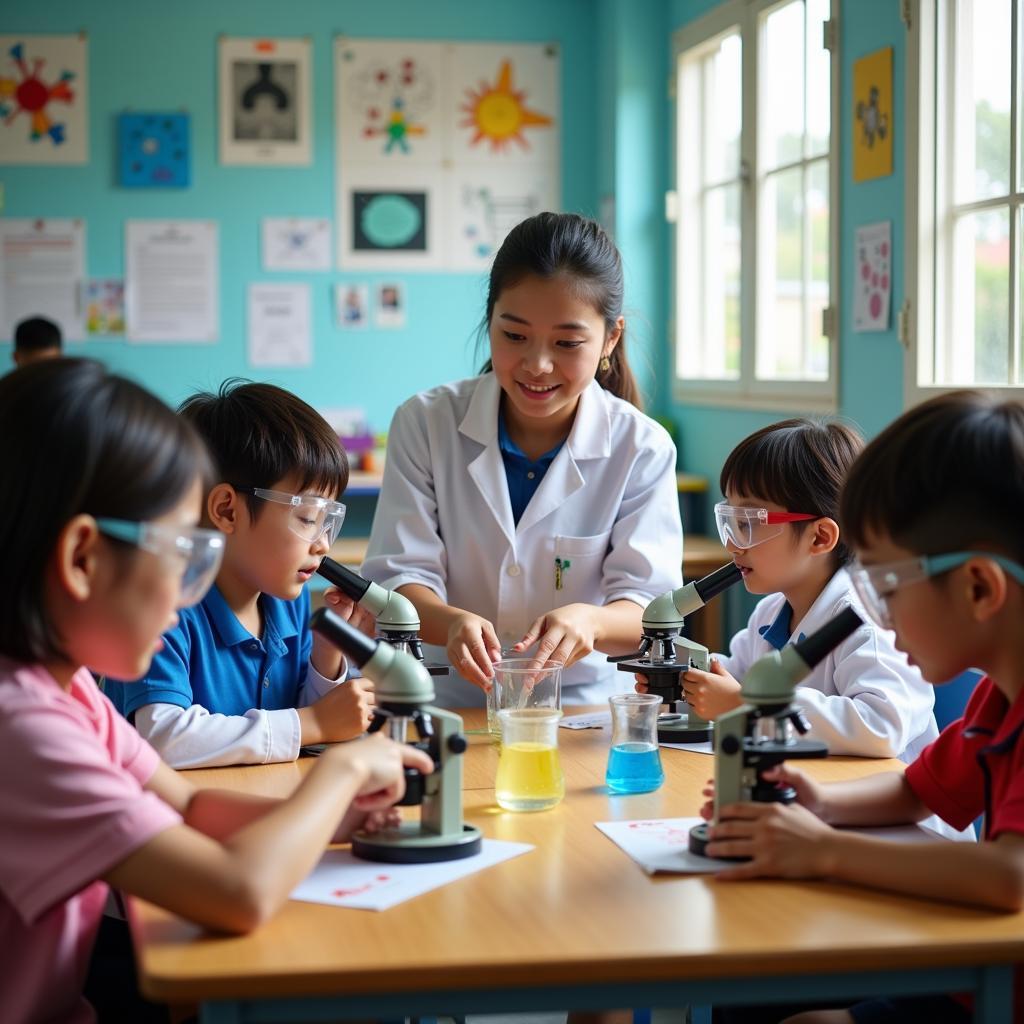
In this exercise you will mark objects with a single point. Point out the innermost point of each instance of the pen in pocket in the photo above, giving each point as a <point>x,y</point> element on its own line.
<point>561,565</point>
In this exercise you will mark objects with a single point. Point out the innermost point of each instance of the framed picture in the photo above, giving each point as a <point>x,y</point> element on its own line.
<point>265,99</point>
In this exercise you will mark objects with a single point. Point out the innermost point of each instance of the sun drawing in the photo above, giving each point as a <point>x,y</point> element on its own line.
<point>498,112</point>
<point>31,95</point>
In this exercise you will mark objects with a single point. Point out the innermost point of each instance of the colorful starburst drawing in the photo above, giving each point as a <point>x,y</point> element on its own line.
<point>498,112</point>
<point>394,99</point>
<point>31,95</point>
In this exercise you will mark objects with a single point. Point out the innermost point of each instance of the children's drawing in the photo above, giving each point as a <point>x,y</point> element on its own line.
<point>498,113</point>
<point>872,124</point>
<point>265,101</point>
<point>392,101</point>
<point>874,277</point>
<point>296,243</point>
<point>42,100</point>
<point>153,150</point>
<point>104,307</point>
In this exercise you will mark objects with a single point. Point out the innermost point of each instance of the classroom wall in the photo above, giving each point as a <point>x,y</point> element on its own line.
<point>870,365</point>
<point>146,56</point>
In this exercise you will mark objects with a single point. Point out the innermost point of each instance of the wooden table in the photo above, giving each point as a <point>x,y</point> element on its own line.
<point>575,923</point>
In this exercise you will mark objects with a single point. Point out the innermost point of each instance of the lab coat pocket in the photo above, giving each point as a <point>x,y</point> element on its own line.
<point>579,564</point>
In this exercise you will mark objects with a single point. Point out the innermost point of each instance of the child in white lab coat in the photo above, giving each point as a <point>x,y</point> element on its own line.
<point>534,507</point>
<point>778,521</point>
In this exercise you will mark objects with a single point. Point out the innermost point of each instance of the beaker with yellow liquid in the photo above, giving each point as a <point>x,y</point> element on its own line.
<point>529,768</point>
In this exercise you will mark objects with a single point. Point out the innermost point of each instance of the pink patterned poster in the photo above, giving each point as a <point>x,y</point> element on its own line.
<point>873,269</point>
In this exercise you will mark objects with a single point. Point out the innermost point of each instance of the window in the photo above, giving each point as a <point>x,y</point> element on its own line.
<point>964,196</point>
<point>756,245</point>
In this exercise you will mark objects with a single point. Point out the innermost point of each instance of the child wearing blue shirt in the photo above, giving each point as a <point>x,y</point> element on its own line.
<point>241,679</point>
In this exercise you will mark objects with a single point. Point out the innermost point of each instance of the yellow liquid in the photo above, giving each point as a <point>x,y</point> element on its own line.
<point>529,777</point>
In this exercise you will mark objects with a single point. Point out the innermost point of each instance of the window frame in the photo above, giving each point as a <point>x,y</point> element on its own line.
<point>917,318</point>
<point>746,391</point>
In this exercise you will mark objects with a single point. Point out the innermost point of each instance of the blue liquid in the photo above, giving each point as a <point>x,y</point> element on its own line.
<point>634,768</point>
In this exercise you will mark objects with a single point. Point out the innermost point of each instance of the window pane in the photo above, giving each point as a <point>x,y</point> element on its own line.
<point>781,109</point>
<point>982,99</point>
<point>817,353</point>
<point>976,349</point>
<point>722,111</point>
<point>722,283</point>
<point>780,349</point>
<point>819,80</point>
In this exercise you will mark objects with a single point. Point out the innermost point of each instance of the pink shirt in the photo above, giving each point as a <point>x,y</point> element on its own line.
<point>71,807</point>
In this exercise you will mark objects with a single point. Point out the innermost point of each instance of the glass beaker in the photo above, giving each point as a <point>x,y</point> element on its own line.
<point>529,768</point>
<point>634,762</point>
<point>520,683</point>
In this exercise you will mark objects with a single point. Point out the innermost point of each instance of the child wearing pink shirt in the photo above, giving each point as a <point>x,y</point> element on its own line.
<point>99,549</point>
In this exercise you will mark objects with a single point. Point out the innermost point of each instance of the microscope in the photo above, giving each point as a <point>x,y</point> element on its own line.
<point>404,690</point>
<point>397,618</point>
<point>762,732</point>
<point>664,655</point>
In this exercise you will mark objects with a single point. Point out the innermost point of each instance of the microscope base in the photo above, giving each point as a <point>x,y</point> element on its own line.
<point>681,731</point>
<point>414,846</point>
<point>699,842</point>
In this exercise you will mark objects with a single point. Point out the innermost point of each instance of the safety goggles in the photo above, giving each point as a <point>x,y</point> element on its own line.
<point>748,527</point>
<point>194,555</point>
<point>310,516</point>
<point>876,583</point>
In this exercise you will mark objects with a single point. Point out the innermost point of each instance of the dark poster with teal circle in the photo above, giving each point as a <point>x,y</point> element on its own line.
<point>389,221</point>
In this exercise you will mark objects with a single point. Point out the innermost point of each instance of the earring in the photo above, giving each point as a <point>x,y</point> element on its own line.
<point>605,365</point>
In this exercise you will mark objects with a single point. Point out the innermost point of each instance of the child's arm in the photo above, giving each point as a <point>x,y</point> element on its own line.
<point>571,632</point>
<point>325,658</point>
<point>236,884</point>
<point>791,842</point>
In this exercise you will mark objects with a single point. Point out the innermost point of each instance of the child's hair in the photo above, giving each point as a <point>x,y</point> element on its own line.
<point>550,244</point>
<point>259,434</point>
<point>948,475</point>
<point>35,334</point>
<point>77,439</point>
<point>799,464</point>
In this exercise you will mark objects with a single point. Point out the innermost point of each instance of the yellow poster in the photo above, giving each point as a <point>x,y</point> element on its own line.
<point>872,115</point>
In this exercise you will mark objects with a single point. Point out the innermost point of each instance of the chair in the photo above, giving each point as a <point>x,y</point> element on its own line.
<point>951,698</point>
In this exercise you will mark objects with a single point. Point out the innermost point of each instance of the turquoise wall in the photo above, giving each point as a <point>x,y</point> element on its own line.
<point>147,56</point>
<point>870,365</point>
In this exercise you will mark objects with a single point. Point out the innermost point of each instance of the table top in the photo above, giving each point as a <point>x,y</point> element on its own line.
<point>574,908</point>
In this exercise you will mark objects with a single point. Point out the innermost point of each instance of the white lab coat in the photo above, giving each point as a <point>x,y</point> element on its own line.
<point>607,506</point>
<point>864,699</point>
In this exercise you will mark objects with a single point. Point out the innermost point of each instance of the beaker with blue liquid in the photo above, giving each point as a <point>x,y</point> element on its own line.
<point>634,762</point>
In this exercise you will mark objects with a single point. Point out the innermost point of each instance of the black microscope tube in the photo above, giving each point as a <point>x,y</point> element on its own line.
<point>357,646</point>
<point>350,583</point>
<point>814,648</point>
<point>715,582</point>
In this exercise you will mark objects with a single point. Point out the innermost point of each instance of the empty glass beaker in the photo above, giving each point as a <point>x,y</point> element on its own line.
<point>634,763</point>
<point>523,683</point>
<point>529,768</point>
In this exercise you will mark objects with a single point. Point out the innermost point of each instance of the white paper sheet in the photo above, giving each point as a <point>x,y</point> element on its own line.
<point>279,325</point>
<point>593,720</point>
<point>660,845</point>
<point>42,273</point>
<point>172,280</point>
<point>341,880</point>
<point>296,243</point>
<point>873,277</point>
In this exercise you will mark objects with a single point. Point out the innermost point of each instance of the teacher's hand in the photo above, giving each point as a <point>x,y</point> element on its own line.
<point>473,648</point>
<point>564,634</point>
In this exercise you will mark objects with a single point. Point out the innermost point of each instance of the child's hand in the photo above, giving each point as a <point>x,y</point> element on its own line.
<point>380,763</point>
<point>641,683</point>
<point>354,614</point>
<point>473,648</point>
<point>345,711</point>
<point>782,840</point>
<point>564,634</point>
<point>357,820</point>
<point>712,693</point>
<point>809,793</point>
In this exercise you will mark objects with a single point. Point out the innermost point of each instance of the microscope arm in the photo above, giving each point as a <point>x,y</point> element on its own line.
<point>394,612</point>
<point>670,610</point>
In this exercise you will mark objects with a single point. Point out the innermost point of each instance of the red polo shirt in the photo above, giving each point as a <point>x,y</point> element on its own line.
<point>977,765</point>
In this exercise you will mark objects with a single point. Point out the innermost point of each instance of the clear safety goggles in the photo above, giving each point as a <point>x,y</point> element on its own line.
<point>876,583</point>
<point>193,554</point>
<point>748,527</point>
<point>310,516</point>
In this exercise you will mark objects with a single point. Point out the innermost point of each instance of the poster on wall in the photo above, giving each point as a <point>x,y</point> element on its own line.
<point>42,273</point>
<point>153,150</point>
<point>104,307</point>
<point>265,101</point>
<point>873,269</point>
<point>279,325</point>
<point>296,243</point>
<point>172,281</point>
<point>44,102</point>
<point>464,134</point>
<point>872,120</point>
<point>352,305</point>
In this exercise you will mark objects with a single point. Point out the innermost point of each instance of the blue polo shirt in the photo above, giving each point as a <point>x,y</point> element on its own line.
<point>777,633</point>
<point>212,660</point>
<point>523,474</point>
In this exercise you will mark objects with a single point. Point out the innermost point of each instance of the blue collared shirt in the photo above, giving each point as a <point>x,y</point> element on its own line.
<point>212,660</point>
<point>777,633</point>
<point>523,475</point>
